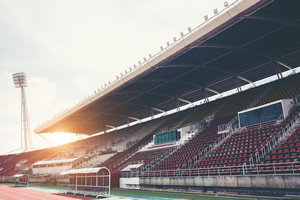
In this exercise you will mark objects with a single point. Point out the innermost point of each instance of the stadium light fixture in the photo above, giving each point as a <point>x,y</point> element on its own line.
<point>215,11</point>
<point>206,17</point>
<point>181,34</point>
<point>189,29</point>
<point>20,81</point>
<point>174,39</point>
<point>161,48</point>
<point>150,56</point>
<point>226,4</point>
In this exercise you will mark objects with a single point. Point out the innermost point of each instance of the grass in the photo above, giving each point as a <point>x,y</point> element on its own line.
<point>173,195</point>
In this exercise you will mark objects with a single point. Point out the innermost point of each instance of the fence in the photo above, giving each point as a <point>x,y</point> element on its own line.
<point>242,170</point>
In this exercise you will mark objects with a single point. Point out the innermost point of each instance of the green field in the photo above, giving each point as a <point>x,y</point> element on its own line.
<point>172,195</point>
<point>123,194</point>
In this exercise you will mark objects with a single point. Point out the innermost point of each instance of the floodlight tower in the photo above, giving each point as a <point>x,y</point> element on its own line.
<point>20,81</point>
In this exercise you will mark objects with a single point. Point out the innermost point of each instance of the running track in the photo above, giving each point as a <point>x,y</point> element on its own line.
<point>12,193</point>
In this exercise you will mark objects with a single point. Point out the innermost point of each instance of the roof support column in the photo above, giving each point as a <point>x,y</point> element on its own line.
<point>238,84</point>
<point>205,95</point>
<point>128,121</point>
<point>177,104</point>
<point>104,128</point>
<point>151,113</point>
<point>278,71</point>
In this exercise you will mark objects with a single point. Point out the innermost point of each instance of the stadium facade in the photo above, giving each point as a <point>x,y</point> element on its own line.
<point>248,141</point>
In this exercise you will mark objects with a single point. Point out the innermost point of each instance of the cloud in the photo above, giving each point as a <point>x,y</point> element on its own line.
<point>41,97</point>
<point>70,48</point>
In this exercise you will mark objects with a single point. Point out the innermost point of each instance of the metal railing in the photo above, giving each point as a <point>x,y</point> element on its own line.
<point>276,139</point>
<point>241,170</point>
<point>244,169</point>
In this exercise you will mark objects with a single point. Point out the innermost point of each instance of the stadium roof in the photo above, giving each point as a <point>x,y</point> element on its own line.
<point>247,42</point>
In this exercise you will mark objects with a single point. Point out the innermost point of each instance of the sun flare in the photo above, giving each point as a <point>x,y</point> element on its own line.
<point>62,138</point>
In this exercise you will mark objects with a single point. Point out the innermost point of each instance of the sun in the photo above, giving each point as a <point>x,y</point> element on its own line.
<point>62,138</point>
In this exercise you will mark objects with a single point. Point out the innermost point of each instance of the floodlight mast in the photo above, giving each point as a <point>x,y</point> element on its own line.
<point>20,81</point>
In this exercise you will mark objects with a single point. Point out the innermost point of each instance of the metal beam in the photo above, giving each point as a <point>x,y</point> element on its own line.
<point>110,126</point>
<point>184,100</point>
<point>207,67</point>
<point>139,92</point>
<point>172,81</point>
<point>236,48</point>
<point>159,110</point>
<point>126,104</point>
<point>246,50</point>
<point>134,118</point>
<point>272,19</point>
<point>286,66</point>
<point>212,90</point>
<point>245,79</point>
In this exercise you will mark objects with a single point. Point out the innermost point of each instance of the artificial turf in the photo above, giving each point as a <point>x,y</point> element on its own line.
<point>173,195</point>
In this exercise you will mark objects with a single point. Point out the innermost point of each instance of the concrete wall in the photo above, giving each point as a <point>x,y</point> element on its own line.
<point>262,181</point>
<point>130,183</point>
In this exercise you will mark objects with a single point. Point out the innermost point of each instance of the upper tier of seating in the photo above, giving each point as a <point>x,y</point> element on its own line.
<point>286,88</point>
<point>204,110</point>
<point>240,101</point>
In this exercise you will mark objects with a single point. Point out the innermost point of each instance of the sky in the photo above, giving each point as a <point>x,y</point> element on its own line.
<point>69,48</point>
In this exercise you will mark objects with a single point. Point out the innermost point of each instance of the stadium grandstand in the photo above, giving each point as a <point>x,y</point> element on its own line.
<point>216,110</point>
